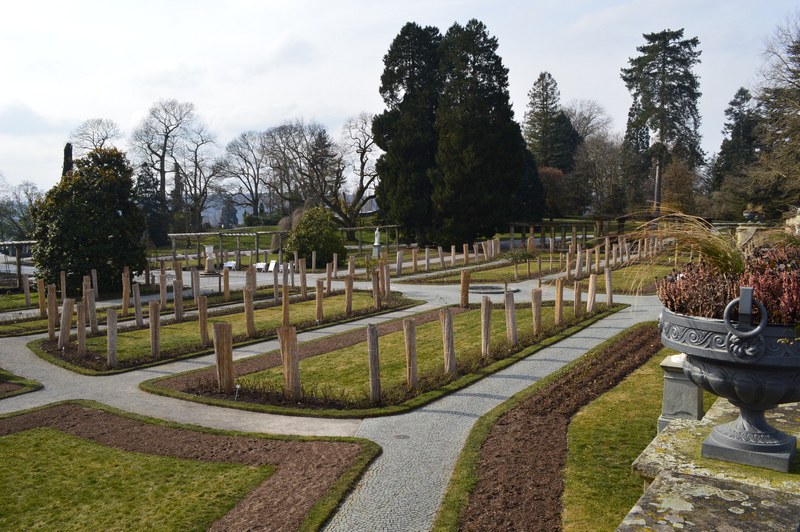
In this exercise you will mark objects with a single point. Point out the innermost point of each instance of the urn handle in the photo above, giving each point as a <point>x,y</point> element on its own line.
<point>746,299</point>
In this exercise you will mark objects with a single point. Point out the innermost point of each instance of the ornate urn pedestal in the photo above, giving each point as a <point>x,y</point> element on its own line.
<point>755,368</point>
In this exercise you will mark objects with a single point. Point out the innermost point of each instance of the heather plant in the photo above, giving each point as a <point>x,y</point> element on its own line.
<point>700,289</point>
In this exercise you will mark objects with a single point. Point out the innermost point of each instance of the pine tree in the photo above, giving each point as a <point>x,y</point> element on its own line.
<point>405,131</point>
<point>636,160</point>
<point>662,81</point>
<point>740,147</point>
<point>480,157</point>
<point>540,117</point>
<point>149,201</point>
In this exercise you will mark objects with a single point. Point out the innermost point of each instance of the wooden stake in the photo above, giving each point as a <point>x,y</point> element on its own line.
<point>66,323</point>
<point>287,336</point>
<point>466,254</point>
<point>94,285</point>
<point>52,312</point>
<point>276,293</point>
<point>452,255</point>
<point>464,289</point>
<point>558,317</point>
<point>328,274</point>
<point>177,299</point>
<point>511,319</point>
<point>536,310</point>
<point>155,328</point>
<point>592,295</point>
<point>319,294</point>
<point>387,292</point>
<point>486,326</point>
<point>303,280</point>
<point>609,290</point>
<point>126,291</point>
<point>348,296</point>
<point>441,258</point>
<point>577,297</point>
<point>26,289</point>
<point>137,306</point>
<point>81,328</point>
<point>92,307</point>
<point>448,342</point>
<point>427,259</point>
<point>376,289</point>
<point>223,351</point>
<point>313,262</point>
<point>285,306</point>
<point>335,266</point>
<point>414,253</point>
<point>410,333</point>
<point>63,276</point>
<point>111,338</point>
<point>40,292</point>
<point>374,365</point>
<point>248,313</point>
<point>202,318</point>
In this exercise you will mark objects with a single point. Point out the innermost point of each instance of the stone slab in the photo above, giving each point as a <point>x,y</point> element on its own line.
<point>689,502</point>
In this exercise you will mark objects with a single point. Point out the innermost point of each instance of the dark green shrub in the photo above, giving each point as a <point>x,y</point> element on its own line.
<point>317,231</point>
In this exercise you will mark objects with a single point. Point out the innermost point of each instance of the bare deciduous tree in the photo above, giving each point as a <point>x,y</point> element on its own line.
<point>155,139</point>
<point>360,154</point>
<point>93,134</point>
<point>588,117</point>
<point>199,169</point>
<point>246,166</point>
<point>16,202</point>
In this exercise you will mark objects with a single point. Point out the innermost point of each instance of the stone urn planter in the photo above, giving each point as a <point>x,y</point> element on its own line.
<point>755,367</point>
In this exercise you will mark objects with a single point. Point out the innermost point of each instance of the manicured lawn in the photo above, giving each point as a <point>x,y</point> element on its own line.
<point>25,385</point>
<point>17,301</point>
<point>605,438</point>
<point>51,480</point>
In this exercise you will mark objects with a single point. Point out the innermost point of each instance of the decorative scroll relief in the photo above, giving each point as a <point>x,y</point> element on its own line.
<point>694,337</point>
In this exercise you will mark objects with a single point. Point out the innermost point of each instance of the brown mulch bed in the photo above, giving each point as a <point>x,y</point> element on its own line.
<point>8,387</point>
<point>189,382</point>
<point>520,469</point>
<point>305,470</point>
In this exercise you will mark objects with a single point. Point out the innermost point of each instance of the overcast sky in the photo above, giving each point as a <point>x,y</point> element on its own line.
<point>255,64</point>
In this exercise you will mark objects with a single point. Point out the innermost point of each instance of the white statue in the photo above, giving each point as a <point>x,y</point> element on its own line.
<point>377,237</point>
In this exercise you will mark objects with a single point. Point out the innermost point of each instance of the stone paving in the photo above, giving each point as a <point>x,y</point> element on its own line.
<point>403,488</point>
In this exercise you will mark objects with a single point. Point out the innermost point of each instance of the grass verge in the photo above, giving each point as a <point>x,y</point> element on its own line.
<point>24,385</point>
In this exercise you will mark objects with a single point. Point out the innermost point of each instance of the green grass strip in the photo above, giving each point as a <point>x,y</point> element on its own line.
<point>26,385</point>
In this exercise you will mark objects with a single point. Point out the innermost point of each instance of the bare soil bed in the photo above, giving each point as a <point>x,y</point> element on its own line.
<point>520,480</point>
<point>305,470</point>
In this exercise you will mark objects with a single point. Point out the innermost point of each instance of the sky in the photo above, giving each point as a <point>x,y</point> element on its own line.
<point>248,64</point>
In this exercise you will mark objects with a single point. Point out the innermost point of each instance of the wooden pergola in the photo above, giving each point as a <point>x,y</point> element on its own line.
<point>220,235</point>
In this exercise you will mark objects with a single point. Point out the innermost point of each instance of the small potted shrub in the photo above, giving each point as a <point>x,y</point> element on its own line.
<point>709,314</point>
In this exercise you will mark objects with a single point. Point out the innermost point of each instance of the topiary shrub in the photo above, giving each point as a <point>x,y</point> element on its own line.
<point>316,231</point>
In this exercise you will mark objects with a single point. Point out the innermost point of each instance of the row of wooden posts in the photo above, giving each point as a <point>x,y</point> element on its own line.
<point>288,335</point>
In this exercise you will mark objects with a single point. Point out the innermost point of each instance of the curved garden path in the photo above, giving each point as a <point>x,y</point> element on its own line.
<point>404,487</point>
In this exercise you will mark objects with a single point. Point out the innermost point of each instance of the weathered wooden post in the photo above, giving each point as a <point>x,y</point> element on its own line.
<point>388,281</point>
<point>536,310</point>
<point>291,363</point>
<point>558,316</point>
<point>177,299</point>
<point>328,274</point>
<point>588,260</point>
<point>335,266</point>
<point>248,313</point>
<point>111,338</point>
<point>414,253</point>
<point>577,299</point>
<point>276,293</point>
<point>466,253</point>
<point>26,289</point>
<point>427,259</point>
<point>410,334</point>
<point>63,279</point>
<point>318,295</point>
<point>137,305</point>
<point>609,290</point>
<point>91,306</point>
<point>511,319</point>
<point>376,289</point>
<point>162,289</point>
<point>398,264</point>
<point>196,281</point>
<point>303,280</point>
<point>464,289</point>
<point>226,284</point>
<point>126,290</point>
<point>94,284</point>
<point>441,258</point>
<point>202,319</point>
<point>592,295</point>
<point>66,323</point>
<point>81,328</point>
<point>52,312</point>
<point>223,351</point>
<point>351,265</point>
<point>452,255</point>
<point>42,300</point>
<point>374,365</point>
<point>486,326</point>
<point>285,306</point>
<point>155,328</point>
<point>448,341</point>
<point>313,262</point>
<point>348,296</point>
